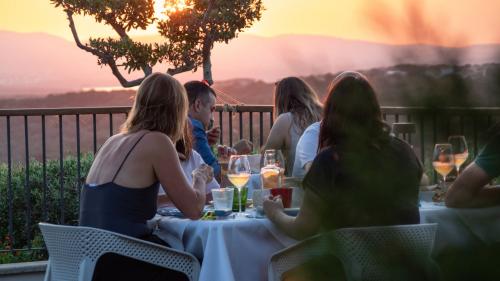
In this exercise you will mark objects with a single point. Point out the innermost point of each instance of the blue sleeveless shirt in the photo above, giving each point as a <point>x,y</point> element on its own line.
<point>117,208</point>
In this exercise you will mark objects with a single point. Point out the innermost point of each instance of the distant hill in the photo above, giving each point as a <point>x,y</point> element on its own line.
<point>401,85</point>
<point>37,63</point>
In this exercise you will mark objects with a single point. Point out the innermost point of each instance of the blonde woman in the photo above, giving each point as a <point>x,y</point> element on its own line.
<point>296,106</point>
<point>122,184</point>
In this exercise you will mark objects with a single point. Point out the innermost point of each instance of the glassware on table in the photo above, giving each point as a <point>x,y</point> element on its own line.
<point>285,193</point>
<point>238,173</point>
<point>443,160</point>
<point>223,198</point>
<point>240,199</point>
<point>459,149</point>
<point>273,168</point>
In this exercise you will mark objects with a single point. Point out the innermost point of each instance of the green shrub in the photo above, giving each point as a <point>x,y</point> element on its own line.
<point>21,228</point>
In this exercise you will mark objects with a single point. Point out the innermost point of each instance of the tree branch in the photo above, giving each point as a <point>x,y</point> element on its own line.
<point>181,69</point>
<point>123,35</point>
<point>105,57</point>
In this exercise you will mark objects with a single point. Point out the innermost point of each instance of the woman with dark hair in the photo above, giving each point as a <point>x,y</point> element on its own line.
<point>296,106</point>
<point>362,176</point>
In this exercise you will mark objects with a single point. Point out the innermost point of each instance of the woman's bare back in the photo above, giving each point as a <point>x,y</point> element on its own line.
<point>137,170</point>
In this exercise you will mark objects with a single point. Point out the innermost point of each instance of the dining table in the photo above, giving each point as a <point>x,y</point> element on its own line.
<point>239,247</point>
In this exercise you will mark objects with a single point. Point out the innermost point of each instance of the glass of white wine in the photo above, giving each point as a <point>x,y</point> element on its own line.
<point>238,173</point>
<point>443,160</point>
<point>460,150</point>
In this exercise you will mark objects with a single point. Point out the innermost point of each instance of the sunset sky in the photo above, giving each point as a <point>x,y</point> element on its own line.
<point>445,22</point>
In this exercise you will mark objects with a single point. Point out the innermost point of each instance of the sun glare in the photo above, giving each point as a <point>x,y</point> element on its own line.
<point>164,7</point>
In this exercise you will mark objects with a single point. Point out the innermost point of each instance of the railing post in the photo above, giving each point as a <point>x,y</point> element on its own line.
<point>44,171</point>
<point>61,171</point>
<point>230,130</point>
<point>27,191</point>
<point>261,128</point>
<point>94,125</point>
<point>221,126</point>
<point>251,126</point>
<point>78,163</point>
<point>110,124</point>
<point>9,183</point>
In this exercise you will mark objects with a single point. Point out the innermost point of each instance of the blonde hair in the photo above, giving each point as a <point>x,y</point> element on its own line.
<point>294,95</point>
<point>161,105</point>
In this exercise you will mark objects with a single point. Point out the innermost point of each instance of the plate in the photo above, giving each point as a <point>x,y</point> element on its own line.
<point>174,212</point>
<point>170,212</point>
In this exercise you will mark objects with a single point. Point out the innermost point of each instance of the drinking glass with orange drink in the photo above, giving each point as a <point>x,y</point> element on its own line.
<point>443,160</point>
<point>459,149</point>
<point>273,168</point>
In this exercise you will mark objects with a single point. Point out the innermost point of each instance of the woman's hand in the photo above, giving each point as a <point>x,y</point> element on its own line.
<point>273,206</point>
<point>205,173</point>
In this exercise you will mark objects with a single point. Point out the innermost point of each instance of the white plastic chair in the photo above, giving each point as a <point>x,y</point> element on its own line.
<point>74,251</point>
<point>362,251</point>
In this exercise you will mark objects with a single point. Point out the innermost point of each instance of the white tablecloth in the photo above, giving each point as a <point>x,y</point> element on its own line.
<point>233,249</point>
<point>240,249</point>
<point>462,228</point>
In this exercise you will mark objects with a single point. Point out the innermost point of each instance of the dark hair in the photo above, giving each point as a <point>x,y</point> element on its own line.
<point>185,144</point>
<point>198,90</point>
<point>352,113</point>
<point>294,95</point>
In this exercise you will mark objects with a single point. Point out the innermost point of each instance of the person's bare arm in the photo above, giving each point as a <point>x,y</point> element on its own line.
<point>469,191</point>
<point>278,134</point>
<point>304,225</point>
<point>189,200</point>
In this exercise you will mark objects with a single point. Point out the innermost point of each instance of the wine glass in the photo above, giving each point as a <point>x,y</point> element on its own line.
<point>459,149</point>
<point>443,160</point>
<point>273,168</point>
<point>238,173</point>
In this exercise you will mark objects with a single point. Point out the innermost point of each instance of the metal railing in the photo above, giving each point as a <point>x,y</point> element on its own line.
<point>23,129</point>
<point>31,133</point>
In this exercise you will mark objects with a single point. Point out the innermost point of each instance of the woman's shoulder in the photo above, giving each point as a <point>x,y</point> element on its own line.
<point>153,140</point>
<point>283,122</point>
<point>285,117</point>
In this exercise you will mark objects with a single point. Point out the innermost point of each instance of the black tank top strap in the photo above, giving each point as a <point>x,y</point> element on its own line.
<point>126,156</point>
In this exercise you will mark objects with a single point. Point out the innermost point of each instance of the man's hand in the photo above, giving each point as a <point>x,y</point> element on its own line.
<point>204,172</point>
<point>243,147</point>
<point>213,135</point>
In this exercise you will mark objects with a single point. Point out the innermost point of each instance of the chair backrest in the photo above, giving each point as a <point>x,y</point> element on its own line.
<point>367,253</point>
<point>385,252</point>
<point>74,251</point>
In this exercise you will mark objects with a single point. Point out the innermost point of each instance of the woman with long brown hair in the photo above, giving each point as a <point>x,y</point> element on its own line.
<point>122,184</point>
<point>362,176</point>
<point>296,106</point>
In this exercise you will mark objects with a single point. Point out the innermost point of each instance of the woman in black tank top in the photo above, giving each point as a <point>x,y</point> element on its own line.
<point>122,185</point>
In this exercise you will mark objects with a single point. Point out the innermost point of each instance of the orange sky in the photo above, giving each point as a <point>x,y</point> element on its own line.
<point>446,22</point>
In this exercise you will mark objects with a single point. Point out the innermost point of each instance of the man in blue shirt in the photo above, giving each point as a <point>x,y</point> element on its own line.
<point>201,107</point>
